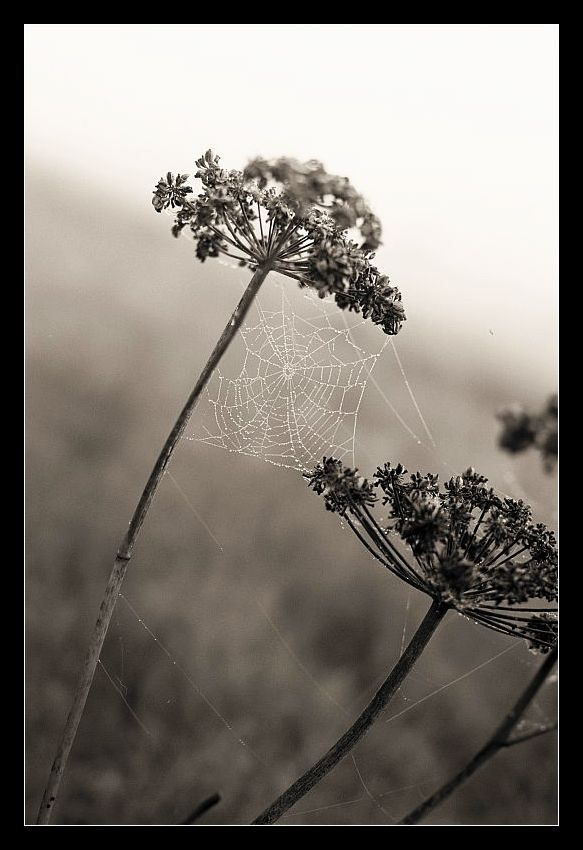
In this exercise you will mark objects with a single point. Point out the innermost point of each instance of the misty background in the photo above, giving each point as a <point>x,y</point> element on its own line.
<point>271,610</point>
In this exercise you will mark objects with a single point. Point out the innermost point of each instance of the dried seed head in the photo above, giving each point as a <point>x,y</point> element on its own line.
<point>480,554</point>
<point>294,217</point>
<point>343,488</point>
<point>542,632</point>
<point>522,430</point>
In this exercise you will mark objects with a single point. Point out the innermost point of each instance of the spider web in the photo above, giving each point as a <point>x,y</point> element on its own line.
<point>299,391</point>
<point>294,395</point>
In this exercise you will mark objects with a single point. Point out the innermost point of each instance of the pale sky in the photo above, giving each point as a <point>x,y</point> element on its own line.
<point>450,130</point>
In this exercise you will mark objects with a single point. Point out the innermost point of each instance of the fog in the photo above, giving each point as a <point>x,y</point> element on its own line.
<point>279,622</point>
<point>450,131</point>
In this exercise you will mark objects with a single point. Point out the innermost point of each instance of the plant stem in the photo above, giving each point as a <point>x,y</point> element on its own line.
<point>498,741</point>
<point>202,809</point>
<point>363,723</point>
<point>124,553</point>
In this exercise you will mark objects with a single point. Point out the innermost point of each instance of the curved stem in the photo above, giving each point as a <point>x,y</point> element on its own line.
<point>363,723</point>
<point>125,550</point>
<point>499,740</point>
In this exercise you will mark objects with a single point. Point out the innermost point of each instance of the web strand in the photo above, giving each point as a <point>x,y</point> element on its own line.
<point>412,396</point>
<point>186,675</point>
<point>112,681</point>
<point>453,682</point>
<point>300,663</point>
<point>194,511</point>
<point>369,794</point>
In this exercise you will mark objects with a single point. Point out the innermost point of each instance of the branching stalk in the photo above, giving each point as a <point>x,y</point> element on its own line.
<point>499,740</point>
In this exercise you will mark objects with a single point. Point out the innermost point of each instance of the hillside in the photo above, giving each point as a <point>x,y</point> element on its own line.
<point>120,319</point>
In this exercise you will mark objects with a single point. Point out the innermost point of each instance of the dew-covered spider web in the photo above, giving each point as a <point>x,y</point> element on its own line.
<point>302,380</point>
<point>297,395</point>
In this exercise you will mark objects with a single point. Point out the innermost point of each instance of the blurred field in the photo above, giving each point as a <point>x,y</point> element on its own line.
<point>120,319</point>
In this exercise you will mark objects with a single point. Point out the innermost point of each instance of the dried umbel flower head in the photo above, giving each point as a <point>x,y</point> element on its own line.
<point>521,430</point>
<point>293,218</point>
<point>465,546</point>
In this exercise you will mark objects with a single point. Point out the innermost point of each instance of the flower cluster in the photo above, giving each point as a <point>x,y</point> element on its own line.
<point>171,192</point>
<point>475,551</point>
<point>308,185</point>
<point>294,218</point>
<point>521,430</point>
<point>542,627</point>
<point>341,487</point>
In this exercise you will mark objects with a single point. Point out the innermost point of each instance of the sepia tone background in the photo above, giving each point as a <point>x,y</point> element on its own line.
<point>271,611</point>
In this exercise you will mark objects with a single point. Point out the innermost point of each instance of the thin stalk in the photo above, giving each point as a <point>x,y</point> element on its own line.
<point>499,740</point>
<point>381,559</point>
<point>304,281</point>
<point>249,248</point>
<point>202,809</point>
<point>393,567</point>
<point>363,723</point>
<point>387,542</point>
<point>509,556</point>
<point>270,236</point>
<point>124,553</point>
<point>295,265</point>
<point>234,256</point>
<point>475,531</point>
<point>261,226</point>
<point>224,237</point>
<point>513,618</point>
<point>250,230</point>
<point>403,569</point>
<point>297,247</point>
<point>521,609</point>
<point>285,235</point>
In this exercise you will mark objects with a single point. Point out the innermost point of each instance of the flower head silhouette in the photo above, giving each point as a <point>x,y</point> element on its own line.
<point>522,429</point>
<point>465,546</point>
<point>293,217</point>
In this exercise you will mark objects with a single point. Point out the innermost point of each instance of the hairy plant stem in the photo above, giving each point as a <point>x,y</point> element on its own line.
<point>499,740</point>
<point>363,723</point>
<point>124,553</point>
